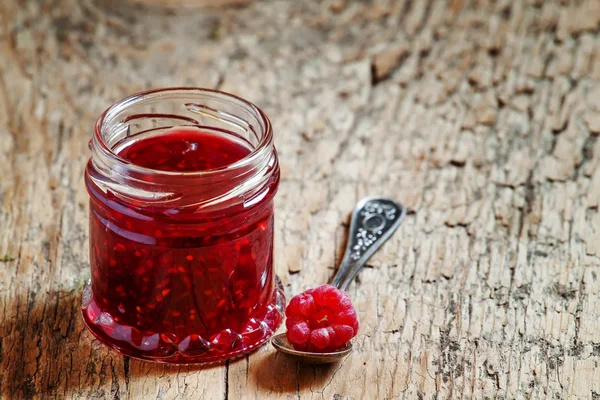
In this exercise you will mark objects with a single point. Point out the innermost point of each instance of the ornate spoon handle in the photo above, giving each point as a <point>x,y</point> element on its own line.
<point>373,222</point>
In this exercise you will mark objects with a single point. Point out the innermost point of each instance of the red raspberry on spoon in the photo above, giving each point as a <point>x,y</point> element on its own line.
<point>321,319</point>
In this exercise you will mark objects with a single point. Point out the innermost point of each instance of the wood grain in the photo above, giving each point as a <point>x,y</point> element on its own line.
<point>481,116</point>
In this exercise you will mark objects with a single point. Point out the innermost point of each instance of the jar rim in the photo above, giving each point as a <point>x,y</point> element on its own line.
<point>262,149</point>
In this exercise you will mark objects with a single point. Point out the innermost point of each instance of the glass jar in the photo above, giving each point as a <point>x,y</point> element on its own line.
<point>182,262</point>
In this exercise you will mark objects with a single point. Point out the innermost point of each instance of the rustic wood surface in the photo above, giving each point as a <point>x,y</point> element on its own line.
<point>481,116</point>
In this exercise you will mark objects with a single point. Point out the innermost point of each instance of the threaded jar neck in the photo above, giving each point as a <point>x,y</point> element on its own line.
<point>240,183</point>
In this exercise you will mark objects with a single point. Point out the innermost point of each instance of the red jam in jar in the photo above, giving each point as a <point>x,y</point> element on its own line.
<point>181,185</point>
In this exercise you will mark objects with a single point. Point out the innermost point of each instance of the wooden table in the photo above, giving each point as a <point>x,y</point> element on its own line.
<point>481,116</point>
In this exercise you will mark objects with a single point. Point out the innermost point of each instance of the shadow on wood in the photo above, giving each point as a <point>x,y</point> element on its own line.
<point>43,349</point>
<point>279,373</point>
<point>146,369</point>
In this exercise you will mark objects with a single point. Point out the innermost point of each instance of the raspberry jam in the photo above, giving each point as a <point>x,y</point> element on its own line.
<point>181,230</point>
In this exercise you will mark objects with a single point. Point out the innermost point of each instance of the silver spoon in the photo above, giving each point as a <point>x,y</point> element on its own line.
<point>373,222</point>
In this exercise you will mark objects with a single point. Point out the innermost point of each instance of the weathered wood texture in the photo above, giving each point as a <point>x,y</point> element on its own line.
<point>482,116</point>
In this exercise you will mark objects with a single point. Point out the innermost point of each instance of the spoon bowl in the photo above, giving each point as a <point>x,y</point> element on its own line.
<point>281,343</point>
<point>373,222</point>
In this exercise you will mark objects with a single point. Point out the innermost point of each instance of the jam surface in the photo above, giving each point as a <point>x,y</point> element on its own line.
<point>196,288</point>
<point>185,150</point>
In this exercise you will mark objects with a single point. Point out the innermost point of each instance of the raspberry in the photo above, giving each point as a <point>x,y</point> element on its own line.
<point>321,319</point>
